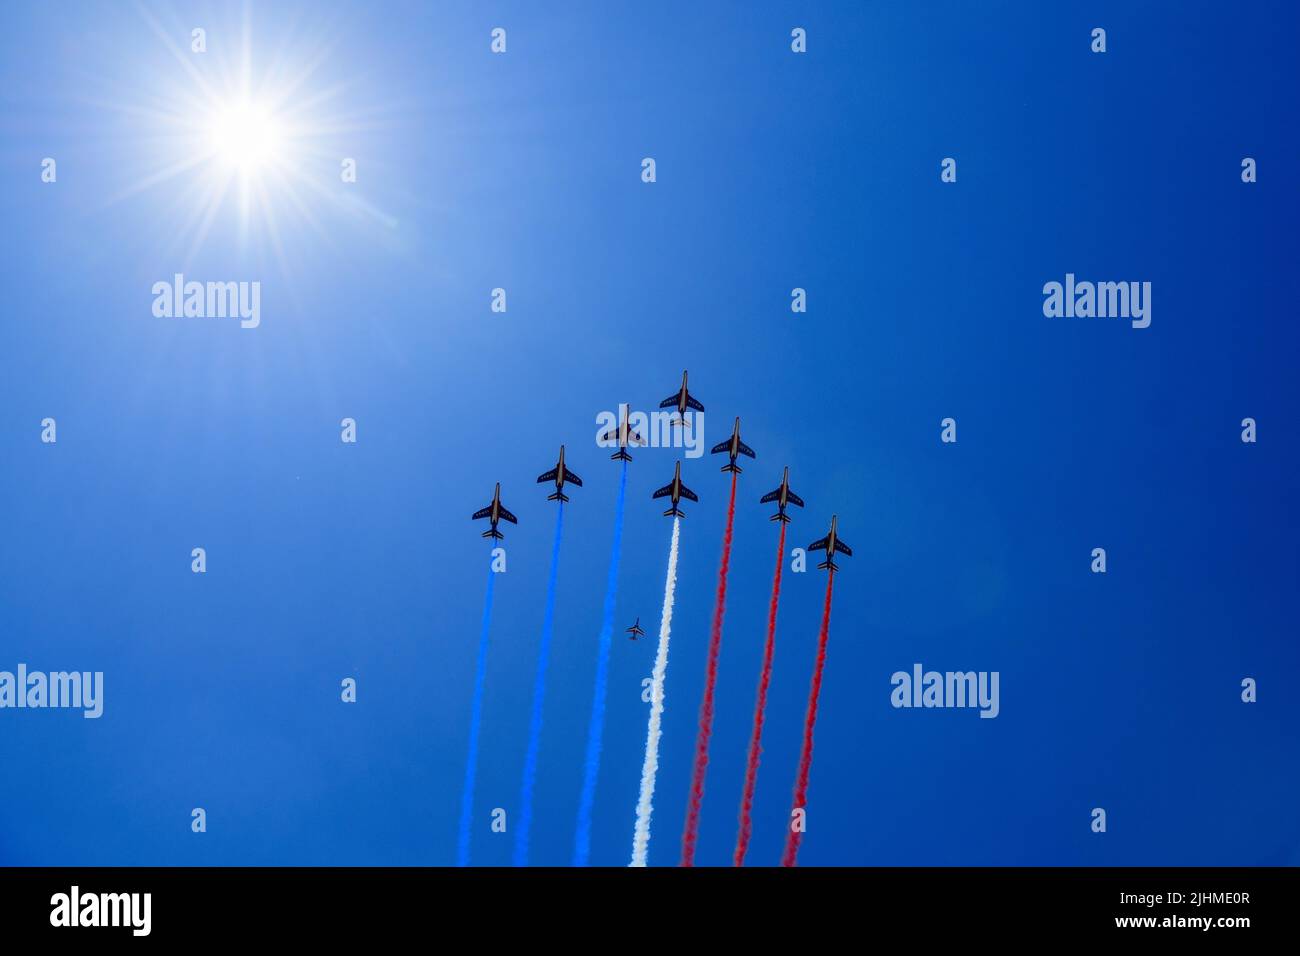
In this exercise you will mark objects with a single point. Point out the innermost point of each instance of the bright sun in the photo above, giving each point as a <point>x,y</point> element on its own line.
<point>261,151</point>
<point>245,135</point>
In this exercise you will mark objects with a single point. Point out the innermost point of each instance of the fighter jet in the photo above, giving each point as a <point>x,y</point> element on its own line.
<point>733,446</point>
<point>682,400</point>
<point>559,474</point>
<point>782,496</point>
<point>623,434</point>
<point>636,630</point>
<point>494,513</point>
<point>678,492</point>
<point>830,544</point>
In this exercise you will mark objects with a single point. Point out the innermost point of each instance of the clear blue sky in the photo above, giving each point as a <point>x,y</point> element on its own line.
<point>775,170</point>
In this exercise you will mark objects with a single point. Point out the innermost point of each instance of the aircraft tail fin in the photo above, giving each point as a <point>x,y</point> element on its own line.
<point>674,512</point>
<point>731,466</point>
<point>493,533</point>
<point>828,564</point>
<point>621,455</point>
<point>780,516</point>
<point>558,496</point>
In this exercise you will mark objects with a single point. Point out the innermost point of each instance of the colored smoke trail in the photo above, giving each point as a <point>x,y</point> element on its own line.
<point>596,728</point>
<point>475,720</point>
<point>690,834</point>
<point>760,704</point>
<point>539,696</point>
<point>793,836</point>
<point>645,802</point>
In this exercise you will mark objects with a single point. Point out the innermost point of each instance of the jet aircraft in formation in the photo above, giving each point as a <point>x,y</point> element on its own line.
<point>677,491</point>
<point>831,544</point>
<point>681,400</point>
<point>625,436</point>
<point>783,496</point>
<point>733,446</point>
<point>559,474</point>
<point>494,512</point>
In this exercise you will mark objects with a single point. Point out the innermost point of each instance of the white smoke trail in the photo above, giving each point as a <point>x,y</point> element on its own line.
<point>645,805</point>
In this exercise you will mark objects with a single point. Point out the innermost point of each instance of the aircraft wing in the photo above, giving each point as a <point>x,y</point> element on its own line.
<point>669,402</point>
<point>688,494</point>
<point>569,477</point>
<point>611,435</point>
<point>819,545</point>
<point>746,450</point>
<point>771,496</point>
<point>663,492</point>
<point>634,439</point>
<point>720,447</point>
<point>482,513</point>
<point>549,476</point>
<point>843,548</point>
<point>794,499</point>
<point>692,403</point>
<point>507,516</point>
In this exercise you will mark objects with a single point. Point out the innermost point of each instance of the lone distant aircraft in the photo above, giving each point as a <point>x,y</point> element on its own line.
<point>678,492</point>
<point>623,434</point>
<point>559,474</point>
<point>733,446</point>
<point>636,630</point>
<point>782,496</point>
<point>494,513</point>
<point>830,544</point>
<point>681,400</point>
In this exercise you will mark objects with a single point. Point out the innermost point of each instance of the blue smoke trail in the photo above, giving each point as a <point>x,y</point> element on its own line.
<point>475,718</point>
<point>539,694</point>
<point>595,729</point>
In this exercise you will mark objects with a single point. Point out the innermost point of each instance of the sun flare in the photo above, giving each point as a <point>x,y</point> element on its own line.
<point>249,146</point>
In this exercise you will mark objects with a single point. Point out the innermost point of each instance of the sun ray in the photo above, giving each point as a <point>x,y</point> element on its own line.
<point>154,179</point>
<point>186,63</point>
<point>208,211</point>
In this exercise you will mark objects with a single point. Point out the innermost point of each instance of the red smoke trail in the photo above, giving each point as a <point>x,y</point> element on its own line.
<point>764,678</point>
<point>691,833</point>
<point>793,837</point>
